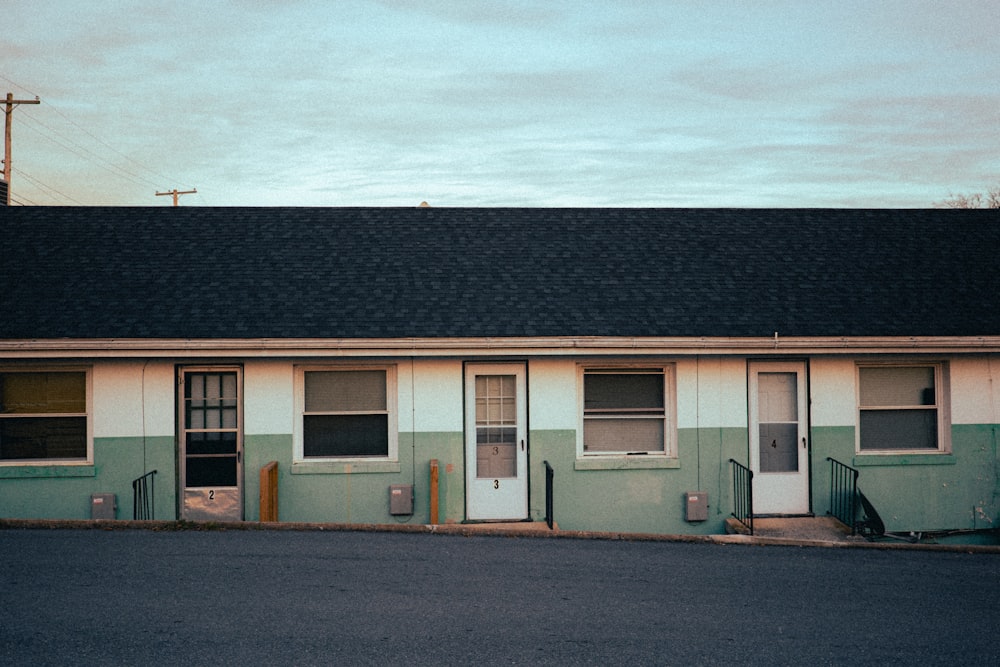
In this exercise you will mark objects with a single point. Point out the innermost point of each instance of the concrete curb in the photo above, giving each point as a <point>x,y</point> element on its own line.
<point>480,530</point>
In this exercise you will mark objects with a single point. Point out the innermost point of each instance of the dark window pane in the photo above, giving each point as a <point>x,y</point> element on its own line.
<point>345,435</point>
<point>39,393</point>
<point>622,391</point>
<point>493,461</point>
<point>345,391</point>
<point>898,429</point>
<point>496,435</point>
<point>43,438</point>
<point>211,443</point>
<point>211,471</point>
<point>623,435</point>
<point>896,386</point>
<point>779,447</point>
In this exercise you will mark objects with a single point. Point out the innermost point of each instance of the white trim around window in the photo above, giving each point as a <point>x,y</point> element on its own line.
<point>345,413</point>
<point>627,412</point>
<point>40,413</point>
<point>903,408</point>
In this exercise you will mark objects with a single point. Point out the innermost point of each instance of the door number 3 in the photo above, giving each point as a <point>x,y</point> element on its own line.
<point>496,484</point>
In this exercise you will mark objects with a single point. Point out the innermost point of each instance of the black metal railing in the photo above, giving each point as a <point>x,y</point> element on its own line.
<point>143,497</point>
<point>843,494</point>
<point>743,494</point>
<point>549,475</point>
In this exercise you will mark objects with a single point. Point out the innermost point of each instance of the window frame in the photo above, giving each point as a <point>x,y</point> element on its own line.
<point>391,410</point>
<point>88,415</point>
<point>668,417</point>
<point>940,406</point>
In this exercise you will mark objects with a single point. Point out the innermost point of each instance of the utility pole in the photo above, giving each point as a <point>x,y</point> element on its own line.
<point>9,111</point>
<point>175,192</point>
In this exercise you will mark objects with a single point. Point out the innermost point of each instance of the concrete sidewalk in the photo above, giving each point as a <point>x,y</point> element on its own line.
<point>768,532</point>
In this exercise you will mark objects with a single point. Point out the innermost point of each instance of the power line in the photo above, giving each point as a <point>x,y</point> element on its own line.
<point>21,200</point>
<point>48,188</point>
<point>85,153</point>
<point>90,134</point>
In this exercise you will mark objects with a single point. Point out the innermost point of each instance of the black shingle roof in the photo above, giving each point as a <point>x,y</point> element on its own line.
<point>433,272</point>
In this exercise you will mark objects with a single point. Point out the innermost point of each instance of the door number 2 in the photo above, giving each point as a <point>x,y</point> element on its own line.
<point>211,494</point>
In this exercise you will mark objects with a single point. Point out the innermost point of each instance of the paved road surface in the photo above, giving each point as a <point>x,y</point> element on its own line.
<point>133,597</point>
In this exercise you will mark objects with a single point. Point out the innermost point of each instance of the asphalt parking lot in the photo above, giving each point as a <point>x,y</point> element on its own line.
<point>117,597</point>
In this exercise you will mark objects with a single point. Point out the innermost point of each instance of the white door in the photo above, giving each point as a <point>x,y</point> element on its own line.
<point>496,453</point>
<point>211,443</point>
<point>779,445</point>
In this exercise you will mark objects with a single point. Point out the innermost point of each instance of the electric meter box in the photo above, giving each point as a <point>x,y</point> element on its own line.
<point>697,505</point>
<point>102,506</point>
<point>401,499</point>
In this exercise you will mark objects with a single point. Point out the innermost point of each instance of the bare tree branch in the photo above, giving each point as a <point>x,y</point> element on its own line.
<point>988,199</point>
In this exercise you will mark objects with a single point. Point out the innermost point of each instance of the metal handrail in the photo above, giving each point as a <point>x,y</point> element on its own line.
<point>549,475</point>
<point>843,494</point>
<point>143,501</point>
<point>743,494</point>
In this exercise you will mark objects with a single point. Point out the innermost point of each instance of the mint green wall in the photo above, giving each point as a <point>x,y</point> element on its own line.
<point>650,500</point>
<point>358,497</point>
<point>919,492</point>
<point>63,492</point>
<point>910,492</point>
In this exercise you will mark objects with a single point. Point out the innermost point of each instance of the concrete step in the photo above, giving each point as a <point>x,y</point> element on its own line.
<point>803,529</point>
<point>498,527</point>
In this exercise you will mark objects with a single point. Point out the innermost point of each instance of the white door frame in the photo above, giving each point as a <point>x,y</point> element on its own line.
<point>219,495</point>
<point>780,467</point>
<point>496,470</point>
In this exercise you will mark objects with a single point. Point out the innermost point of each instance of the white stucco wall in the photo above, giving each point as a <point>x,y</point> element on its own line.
<point>267,397</point>
<point>430,395</point>
<point>711,392</point>
<point>975,390</point>
<point>832,388</point>
<point>133,399</point>
<point>553,394</point>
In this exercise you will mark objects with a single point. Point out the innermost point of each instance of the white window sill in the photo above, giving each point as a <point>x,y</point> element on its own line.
<point>626,462</point>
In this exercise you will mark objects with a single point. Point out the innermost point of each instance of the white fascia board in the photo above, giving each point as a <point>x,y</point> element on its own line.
<point>491,347</point>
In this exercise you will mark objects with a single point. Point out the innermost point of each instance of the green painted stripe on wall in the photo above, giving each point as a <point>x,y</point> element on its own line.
<point>63,492</point>
<point>909,494</point>
<point>358,493</point>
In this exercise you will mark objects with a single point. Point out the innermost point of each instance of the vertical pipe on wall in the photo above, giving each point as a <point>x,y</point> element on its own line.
<point>697,412</point>
<point>995,407</point>
<point>413,423</point>
<point>142,410</point>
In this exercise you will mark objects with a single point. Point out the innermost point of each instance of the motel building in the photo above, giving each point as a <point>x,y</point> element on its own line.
<point>625,370</point>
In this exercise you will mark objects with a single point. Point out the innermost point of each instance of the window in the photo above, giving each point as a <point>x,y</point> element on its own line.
<point>347,413</point>
<point>43,416</point>
<point>900,408</point>
<point>627,411</point>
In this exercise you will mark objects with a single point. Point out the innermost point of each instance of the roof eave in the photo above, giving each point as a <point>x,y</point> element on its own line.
<point>491,346</point>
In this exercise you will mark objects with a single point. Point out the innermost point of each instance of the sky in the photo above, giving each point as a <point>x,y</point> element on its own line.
<point>632,103</point>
